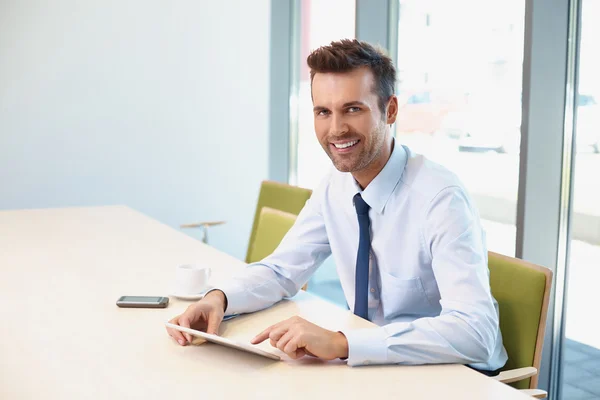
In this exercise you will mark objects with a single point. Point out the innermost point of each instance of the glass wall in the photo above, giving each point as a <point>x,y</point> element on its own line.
<point>581,345</point>
<point>459,89</point>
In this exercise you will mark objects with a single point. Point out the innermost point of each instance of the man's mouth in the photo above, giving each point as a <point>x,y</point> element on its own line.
<point>345,146</point>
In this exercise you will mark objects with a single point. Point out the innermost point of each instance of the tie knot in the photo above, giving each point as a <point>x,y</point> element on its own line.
<point>362,208</point>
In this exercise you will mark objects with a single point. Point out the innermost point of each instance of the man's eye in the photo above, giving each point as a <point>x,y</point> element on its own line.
<point>323,112</point>
<point>353,109</point>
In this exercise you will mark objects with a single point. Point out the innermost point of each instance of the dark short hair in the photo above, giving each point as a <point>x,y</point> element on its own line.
<point>346,55</point>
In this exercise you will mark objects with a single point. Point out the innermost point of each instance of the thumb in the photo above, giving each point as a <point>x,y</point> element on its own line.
<point>213,324</point>
<point>184,321</point>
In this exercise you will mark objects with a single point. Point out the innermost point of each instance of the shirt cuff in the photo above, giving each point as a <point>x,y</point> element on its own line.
<point>366,346</point>
<point>235,297</point>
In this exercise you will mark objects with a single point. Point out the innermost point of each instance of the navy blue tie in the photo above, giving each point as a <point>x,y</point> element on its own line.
<point>361,291</point>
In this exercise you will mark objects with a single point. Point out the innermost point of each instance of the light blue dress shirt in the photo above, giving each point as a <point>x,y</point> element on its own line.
<point>429,286</point>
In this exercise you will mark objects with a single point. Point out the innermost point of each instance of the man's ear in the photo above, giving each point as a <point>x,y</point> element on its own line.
<point>391,110</point>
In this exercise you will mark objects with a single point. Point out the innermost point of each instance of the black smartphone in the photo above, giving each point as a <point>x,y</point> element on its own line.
<point>143,301</point>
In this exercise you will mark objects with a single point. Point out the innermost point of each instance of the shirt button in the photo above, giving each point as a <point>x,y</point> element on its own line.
<point>372,290</point>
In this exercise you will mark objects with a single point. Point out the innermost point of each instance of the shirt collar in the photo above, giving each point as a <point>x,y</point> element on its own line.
<point>381,188</point>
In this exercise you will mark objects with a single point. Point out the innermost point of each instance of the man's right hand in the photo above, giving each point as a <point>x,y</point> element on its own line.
<point>205,315</point>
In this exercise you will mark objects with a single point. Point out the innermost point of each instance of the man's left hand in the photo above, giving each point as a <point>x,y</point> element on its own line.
<point>297,337</point>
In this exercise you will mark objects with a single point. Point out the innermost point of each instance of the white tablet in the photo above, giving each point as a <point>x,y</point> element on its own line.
<point>225,342</point>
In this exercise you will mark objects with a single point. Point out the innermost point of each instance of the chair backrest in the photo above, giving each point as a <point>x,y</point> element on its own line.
<point>522,290</point>
<point>278,196</point>
<point>272,227</point>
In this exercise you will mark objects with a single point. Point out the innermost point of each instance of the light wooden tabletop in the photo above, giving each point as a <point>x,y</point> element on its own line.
<point>63,337</point>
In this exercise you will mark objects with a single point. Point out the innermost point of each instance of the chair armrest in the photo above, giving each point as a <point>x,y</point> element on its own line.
<point>201,224</point>
<point>536,393</point>
<point>515,375</point>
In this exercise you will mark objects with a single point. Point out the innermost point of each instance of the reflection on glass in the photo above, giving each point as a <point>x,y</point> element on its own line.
<point>580,377</point>
<point>459,89</point>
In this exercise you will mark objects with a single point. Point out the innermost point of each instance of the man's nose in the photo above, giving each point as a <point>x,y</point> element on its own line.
<point>339,127</point>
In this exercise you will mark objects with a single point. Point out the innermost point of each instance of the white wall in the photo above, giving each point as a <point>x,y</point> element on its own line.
<point>158,105</point>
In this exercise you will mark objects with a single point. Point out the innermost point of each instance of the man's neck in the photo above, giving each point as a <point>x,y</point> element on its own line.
<point>365,177</point>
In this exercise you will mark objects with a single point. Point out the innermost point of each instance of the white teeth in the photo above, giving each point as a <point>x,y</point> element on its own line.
<point>345,145</point>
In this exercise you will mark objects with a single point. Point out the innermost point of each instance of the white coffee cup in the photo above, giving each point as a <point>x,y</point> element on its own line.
<point>191,279</point>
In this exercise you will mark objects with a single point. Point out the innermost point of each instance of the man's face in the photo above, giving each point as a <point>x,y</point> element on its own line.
<point>348,122</point>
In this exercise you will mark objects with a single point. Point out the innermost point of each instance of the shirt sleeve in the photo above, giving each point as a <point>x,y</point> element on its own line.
<point>284,272</point>
<point>467,329</point>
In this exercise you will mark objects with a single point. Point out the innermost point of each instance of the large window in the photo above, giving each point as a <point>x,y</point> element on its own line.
<point>581,350</point>
<point>459,89</point>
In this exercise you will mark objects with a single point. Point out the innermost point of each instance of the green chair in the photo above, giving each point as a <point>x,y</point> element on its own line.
<point>522,290</point>
<point>271,228</point>
<point>278,196</point>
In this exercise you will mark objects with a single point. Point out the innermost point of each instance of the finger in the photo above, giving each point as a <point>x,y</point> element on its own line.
<point>214,321</point>
<point>261,337</point>
<point>277,333</point>
<point>198,341</point>
<point>293,350</point>
<point>185,322</point>
<point>283,342</point>
<point>301,352</point>
<point>174,333</point>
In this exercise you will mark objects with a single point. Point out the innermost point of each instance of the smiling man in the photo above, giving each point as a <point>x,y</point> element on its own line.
<point>406,238</point>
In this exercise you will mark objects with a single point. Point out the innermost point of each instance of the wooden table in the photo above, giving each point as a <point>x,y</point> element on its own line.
<point>63,337</point>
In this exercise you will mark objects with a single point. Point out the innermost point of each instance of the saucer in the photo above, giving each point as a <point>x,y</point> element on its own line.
<point>196,296</point>
<point>190,296</point>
